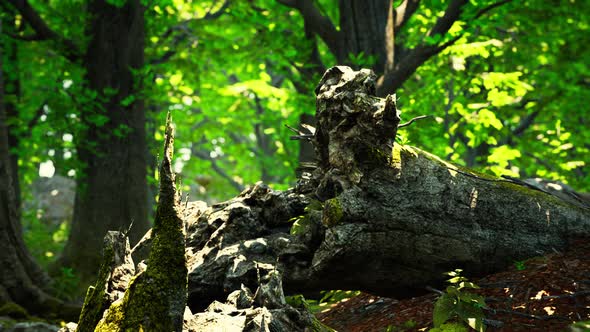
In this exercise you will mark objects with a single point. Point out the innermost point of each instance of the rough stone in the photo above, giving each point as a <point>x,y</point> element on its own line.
<point>53,199</point>
<point>33,327</point>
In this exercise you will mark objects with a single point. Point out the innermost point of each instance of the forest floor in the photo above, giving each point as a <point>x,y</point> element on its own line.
<point>546,293</point>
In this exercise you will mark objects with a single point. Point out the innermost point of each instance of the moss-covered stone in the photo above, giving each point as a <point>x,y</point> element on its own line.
<point>332,214</point>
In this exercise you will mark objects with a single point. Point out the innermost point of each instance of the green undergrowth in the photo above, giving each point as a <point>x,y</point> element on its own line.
<point>329,298</point>
<point>45,242</point>
<point>457,306</point>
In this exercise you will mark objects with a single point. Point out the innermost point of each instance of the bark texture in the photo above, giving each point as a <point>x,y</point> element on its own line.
<point>112,192</point>
<point>155,297</point>
<point>366,26</point>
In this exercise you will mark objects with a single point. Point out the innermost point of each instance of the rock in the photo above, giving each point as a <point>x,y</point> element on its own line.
<point>277,316</point>
<point>53,199</point>
<point>33,327</point>
<point>70,327</point>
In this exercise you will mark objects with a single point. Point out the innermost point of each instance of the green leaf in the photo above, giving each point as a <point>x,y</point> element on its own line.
<point>128,100</point>
<point>471,315</point>
<point>298,226</point>
<point>443,309</point>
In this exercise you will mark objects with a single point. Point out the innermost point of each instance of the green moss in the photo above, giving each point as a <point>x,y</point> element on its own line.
<point>297,301</point>
<point>332,214</point>
<point>96,301</point>
<point>155,299</point>
<point>13,310</point>
<point>400,153</point>
<point>7,323</point>
<point>377,156</point>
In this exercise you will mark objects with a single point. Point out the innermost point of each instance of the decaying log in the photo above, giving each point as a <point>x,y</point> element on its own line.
<point>380,217</point>
<point>372,216</point>
<point>154,299</point>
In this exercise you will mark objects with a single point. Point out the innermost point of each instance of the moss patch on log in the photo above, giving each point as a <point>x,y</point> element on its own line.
<point>332,214</point>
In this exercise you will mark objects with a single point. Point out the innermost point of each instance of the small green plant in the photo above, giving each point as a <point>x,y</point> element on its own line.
<point>65,285</point>
<point>450,327</point>
<point>580,326</point>
<point>329,298</point>
<point>457,304</point>
<point>520,265</point>
<point>44,241</point>
<point>402,139</point>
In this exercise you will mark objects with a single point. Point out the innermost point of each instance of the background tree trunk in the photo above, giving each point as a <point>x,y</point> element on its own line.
<point>11,85</point>
<point>366,27</point>
<point>22,281</point>
<point>112,191</point>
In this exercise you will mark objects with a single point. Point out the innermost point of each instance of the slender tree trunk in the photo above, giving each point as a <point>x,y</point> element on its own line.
<point>112,191</point>
<point>22,281</point>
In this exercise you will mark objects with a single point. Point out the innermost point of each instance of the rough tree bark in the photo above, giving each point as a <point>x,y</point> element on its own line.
<point>113,192</point>
<point>22,281</point>
<point>373,216</point>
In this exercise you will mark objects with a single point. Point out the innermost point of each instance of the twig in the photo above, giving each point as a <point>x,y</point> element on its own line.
<point>566,296</point>
<point>412,120</point>
<point>300,135</point>
<point>434,290</point>
<point>518,313</point>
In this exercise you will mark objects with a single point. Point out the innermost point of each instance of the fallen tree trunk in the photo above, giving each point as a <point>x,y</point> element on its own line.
<point>372,216</point>
<point>380,217</point>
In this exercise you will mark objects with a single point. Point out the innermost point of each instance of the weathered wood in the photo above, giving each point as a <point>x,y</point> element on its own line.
<point>116,271</point>
<point>373,215</point>
<point>389,219</point>
<point>156,297</point>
